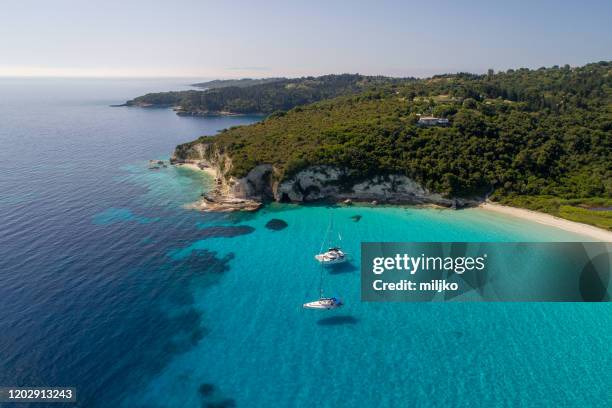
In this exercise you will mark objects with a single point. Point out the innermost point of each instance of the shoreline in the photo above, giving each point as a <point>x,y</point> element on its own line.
<point>216,201</point>
<point>208,170</point>
<point>586,230</point>
<point>550,220</point>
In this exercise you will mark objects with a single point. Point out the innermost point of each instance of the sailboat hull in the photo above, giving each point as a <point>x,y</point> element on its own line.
<point>326,304</point>
<point>326,259</point>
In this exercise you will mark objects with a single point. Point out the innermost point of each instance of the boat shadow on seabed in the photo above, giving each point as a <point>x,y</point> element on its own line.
<point>346,267</point>
<point>338,320</point>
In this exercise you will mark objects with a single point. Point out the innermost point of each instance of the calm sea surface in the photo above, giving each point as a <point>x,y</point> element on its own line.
<point>107,284</point>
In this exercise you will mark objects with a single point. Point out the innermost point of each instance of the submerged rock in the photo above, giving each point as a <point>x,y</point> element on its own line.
<point>458,334</point>
<point>206,389</point>
<point>276,224</point>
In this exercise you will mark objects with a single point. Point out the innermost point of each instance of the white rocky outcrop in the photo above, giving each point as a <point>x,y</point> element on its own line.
<point>311,184</point>
<point>256,185</point>
<point>325,182</point>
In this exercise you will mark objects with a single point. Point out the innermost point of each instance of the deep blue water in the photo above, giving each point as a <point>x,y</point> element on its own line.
<point>109,285</point>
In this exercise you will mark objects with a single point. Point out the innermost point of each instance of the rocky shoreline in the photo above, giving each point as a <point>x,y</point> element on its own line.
<point>180,111</point>
<point>218,199</point>
<point>313,184</point>
<point>219,203</point>
<point>197,113</point>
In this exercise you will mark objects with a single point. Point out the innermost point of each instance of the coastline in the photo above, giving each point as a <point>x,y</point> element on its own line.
<point>550,220</point>
<point>208,170</point>
<point>218,202</point>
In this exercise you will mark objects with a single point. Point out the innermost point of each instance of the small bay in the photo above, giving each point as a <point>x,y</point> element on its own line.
<point>108,284</point>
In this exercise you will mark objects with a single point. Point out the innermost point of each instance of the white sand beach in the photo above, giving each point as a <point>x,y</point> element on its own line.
<point>542,218</point>
<point>209,170</point>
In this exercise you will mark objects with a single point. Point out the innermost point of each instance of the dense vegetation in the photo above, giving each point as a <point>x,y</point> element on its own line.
<point>267,97</point>
<point>515,134</point>
<point>241,83</point>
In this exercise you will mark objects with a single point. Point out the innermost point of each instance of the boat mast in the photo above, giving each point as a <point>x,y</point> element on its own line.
<point>321,284</point>
<point>328,233</point>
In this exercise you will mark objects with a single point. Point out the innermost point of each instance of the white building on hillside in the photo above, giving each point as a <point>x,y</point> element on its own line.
<point>432,121</point>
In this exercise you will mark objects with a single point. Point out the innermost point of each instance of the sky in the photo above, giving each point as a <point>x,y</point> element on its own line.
<point>235,39</point>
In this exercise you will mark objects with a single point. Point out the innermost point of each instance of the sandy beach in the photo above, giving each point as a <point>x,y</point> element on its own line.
<point>542,218</point>
<point>209,170</point>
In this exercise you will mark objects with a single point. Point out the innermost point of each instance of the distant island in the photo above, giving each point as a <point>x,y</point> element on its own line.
<point>240,83</point>
<point>537,139</point>
<point>263,96</point>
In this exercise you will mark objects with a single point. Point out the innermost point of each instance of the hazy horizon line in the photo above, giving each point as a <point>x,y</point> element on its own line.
<point>421,73</point>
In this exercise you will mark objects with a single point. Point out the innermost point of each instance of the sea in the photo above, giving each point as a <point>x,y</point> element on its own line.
<point>109,285</point>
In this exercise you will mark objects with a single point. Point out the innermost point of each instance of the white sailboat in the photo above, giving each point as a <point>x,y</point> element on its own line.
<point>323,302</point>
<point>334,255</point>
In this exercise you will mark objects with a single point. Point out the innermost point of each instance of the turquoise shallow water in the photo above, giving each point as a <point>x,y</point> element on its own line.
<point>109,285</point>
<point>268,351</point>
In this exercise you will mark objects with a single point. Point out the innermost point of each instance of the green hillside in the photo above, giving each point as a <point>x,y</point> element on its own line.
<point>265,97</point>
<point>515,134</point>
<point>240,83</point>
